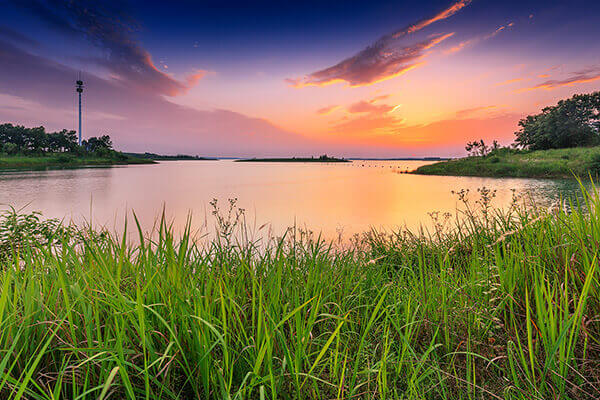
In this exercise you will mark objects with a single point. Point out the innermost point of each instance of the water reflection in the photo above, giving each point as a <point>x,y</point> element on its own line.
<point>323,197</point>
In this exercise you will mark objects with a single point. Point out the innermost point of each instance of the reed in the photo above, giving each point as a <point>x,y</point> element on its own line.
<point>498,304</point>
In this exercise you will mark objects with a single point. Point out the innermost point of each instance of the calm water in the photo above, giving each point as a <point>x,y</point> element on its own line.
<point>329,198</point>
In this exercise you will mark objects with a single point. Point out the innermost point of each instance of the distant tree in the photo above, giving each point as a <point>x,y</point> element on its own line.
<point>478,148</point>
<point>35,139</point>
<point>495,146</point>
<point>100,145</point>
<point>572,122</point>
<point>15,139</point>
<point>62,141</point>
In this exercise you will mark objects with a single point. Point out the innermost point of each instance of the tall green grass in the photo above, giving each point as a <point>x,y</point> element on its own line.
<point>494,304</point>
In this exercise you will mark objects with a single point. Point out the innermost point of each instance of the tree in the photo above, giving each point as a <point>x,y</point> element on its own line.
<point>16,139</point>
<point>35,139</point>
<point>478,148</point>
<point>101,145</point>
<point>572,122</point>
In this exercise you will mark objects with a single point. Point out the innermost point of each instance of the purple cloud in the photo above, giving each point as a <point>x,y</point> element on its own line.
<point>384,59</point>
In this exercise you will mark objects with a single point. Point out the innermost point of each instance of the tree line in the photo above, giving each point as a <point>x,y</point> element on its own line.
<point>17,139</point>
<point>573,122</point>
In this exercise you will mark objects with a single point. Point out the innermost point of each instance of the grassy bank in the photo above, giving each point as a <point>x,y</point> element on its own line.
<point>500,305</point>
<point>557,163</point>
<point>66,160</point>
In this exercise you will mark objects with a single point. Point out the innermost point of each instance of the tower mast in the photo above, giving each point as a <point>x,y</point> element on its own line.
<point>79,89</point>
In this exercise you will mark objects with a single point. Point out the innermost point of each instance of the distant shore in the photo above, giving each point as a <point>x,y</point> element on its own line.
<point>555,163</point>
<point>64,160</point>
<point>322,159</point>
<point>161,157</point>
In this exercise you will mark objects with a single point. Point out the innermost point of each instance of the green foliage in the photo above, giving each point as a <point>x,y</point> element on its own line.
<point>19,231</point>
<point>571,123</point>
<point>100,145</point>
<point>19,139</point>
<point>33,147</point>
<point>505,162</point>
<point>494,304</point>
<point>15,139</point>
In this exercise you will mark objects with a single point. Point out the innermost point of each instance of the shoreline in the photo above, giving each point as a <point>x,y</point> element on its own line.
<point>296,159</point>
<point>33,162</point>
<point>568,163</point>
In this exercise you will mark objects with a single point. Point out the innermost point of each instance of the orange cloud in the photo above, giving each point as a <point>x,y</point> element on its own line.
<point>510,81</point>
<point>192,79</point>
<point>327,110</point>
<point>475,40</point>
<point>469,112</point>
<point>366,117</point>
<point>368,107</point>
<point>448,12</point>
<point>444,134</point>
<point>584,76</point>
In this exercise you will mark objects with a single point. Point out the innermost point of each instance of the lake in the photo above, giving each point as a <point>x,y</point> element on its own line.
<point>327,198</point>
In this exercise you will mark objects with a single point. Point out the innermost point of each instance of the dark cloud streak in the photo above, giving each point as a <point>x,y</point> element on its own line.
<point>16,37</point>
<point>385,58</point>
<point>112,30</point>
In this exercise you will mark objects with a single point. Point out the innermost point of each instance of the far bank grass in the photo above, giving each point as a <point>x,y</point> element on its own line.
<point>556,163</point>
<point>64,160</point>
<point>500,305</point>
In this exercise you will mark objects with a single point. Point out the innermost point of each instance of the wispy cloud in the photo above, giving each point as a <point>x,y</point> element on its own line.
<point>327,110</point>
<point>475,40</point>
<point>511,81</point>
<point>446,13</point>
<point>587,75</point>
<point>368,116</point>
<point>373,64</point>
<point>470,112</point>
<point>112,30</point>
<point>368,107</point>
<point>384,59</point>
<point>16,37</point>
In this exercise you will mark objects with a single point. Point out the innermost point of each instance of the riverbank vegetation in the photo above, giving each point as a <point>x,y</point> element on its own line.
<point>22,147</point>
<point>496,304</point>
<point>504,162</point>
<point>561,141</point>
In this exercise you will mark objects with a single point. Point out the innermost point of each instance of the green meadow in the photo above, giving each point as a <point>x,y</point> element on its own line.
<point>487,304</point>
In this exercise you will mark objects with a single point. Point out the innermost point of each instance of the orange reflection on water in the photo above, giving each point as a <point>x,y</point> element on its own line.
<point>326,198</point>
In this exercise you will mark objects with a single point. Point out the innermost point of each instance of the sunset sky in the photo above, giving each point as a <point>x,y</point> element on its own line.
<point>354,78</point>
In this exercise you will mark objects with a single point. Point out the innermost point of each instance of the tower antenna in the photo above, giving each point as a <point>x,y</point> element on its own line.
<point>79,90</point>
